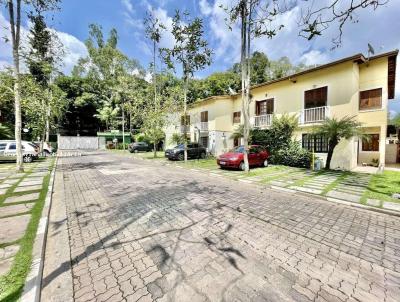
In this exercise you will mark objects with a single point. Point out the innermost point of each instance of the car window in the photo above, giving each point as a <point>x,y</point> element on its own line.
<point>239,149</point>
<point>195,145</point>
<point>253,150</point>
<point>3,146</point>
<point>180,146</point>
<point>12,147</point>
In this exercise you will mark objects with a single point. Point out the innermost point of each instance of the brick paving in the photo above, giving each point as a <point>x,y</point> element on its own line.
<point>142,232</point>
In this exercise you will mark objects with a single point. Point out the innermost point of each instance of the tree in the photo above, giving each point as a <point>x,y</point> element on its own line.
<point>14,15</point>
<point>191,51</point>
<point>396,122</point>
<point>258,18</point>
<point>153,29</point>
<point>337,129</point>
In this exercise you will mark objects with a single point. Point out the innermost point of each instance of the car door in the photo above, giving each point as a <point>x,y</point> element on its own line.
<point>11,151</point>
<point>2,151</point>
<point>253,156</point>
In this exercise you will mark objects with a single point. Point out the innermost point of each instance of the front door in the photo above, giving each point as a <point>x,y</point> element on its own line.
<point>398,153</point>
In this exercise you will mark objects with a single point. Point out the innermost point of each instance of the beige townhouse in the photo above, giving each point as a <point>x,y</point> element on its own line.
<point>354,86</point>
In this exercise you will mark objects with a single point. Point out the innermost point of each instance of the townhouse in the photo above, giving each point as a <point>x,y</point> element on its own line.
<point>353,86</point>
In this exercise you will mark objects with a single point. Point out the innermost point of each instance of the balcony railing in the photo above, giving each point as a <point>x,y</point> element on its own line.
<point>204,126</point>
<point>314,115</point>
<point>262,120</point>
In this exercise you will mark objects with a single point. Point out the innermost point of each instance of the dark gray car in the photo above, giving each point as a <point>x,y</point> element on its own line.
<point>194,150</point>
<point>139,146</point>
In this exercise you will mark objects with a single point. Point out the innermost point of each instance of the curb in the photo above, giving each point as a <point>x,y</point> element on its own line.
<point>31,291</point>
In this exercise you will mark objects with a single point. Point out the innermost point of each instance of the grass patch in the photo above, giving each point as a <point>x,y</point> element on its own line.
<point>334,184</point>
<point>11,284</point>
<point>383,186</point>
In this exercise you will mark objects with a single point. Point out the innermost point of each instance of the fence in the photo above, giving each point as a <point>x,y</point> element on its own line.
<point>81,143</point>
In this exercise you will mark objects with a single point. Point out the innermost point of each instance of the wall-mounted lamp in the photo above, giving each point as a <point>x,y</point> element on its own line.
<point>223,136</point>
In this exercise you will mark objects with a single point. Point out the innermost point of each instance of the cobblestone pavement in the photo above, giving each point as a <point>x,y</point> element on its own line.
<point>143,232</point>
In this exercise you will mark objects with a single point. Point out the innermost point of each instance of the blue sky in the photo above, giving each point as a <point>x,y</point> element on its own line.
<point>71,22</point>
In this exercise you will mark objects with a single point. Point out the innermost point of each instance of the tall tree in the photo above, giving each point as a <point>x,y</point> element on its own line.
<point>258,18</point>
<point>190,51</point>
<point>153,32</point>
<point>14,8</point>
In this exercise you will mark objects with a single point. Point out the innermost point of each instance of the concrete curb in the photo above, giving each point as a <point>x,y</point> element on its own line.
<point>31,291</point>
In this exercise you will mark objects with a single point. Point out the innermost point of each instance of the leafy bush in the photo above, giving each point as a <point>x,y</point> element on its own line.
<point>292,155</point>
<point>141,137</point>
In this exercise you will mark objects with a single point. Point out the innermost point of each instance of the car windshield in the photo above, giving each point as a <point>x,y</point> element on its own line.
<point>180,146</point>
<point>239,149</point>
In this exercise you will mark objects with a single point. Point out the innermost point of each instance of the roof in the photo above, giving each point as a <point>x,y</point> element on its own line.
<point>357,58</point>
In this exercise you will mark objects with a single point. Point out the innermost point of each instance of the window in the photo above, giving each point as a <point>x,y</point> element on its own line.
<point>3,147</point>
<point>315,97</point>
<point>12,146</point>
<point>204,141</point>
<point>371,99</point>
<point>236,142</point>
<point>316,143</point>
<point>371,144</point>
<point>236,117</point>
<point>265,107</point>
<point>204,116</point>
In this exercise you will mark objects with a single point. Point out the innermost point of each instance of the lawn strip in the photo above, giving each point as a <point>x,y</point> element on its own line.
<point>334,184</point>
<point>382,186</point>
<point>11,284</point>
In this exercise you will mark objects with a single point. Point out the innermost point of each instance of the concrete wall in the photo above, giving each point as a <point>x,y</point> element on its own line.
<point>391,154</point>
<point>80,142</point>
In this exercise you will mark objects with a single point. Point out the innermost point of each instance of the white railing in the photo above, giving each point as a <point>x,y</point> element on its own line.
<point>262,120</point>
<point>204,126</point>
<point>314,115</point>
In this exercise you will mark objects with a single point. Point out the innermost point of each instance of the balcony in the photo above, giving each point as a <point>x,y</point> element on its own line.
<point>314,115</point>
<point>203,126</point>
<point>263,120</point>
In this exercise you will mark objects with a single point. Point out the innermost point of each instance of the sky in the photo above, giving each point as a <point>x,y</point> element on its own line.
<point>377,27</point>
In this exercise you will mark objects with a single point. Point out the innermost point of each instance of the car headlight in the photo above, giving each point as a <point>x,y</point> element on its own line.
<point>176,151</point>
<point>234,158</point>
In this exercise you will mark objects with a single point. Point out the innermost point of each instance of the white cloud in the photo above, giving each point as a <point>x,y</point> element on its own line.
<point>73,47</point>
<point>314,57</point>
<point>128,5</point>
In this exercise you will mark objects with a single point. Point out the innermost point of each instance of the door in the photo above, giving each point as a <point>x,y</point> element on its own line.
<point>2,150</point>
<point>11,151</point>
<point>265,107</point>
<point>253,156</point>
<point>398,153</point>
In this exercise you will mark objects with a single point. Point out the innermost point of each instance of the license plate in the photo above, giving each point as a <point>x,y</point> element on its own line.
<point>222,163</point>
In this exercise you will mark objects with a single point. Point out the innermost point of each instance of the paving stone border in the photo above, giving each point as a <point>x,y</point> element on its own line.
<point>32,288</point>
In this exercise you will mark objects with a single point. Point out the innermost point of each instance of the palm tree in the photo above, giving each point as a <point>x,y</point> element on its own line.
<point>5,132</point>
<point>337,129</point>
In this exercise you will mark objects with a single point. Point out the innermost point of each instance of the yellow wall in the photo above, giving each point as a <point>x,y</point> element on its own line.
<point>344,81</point>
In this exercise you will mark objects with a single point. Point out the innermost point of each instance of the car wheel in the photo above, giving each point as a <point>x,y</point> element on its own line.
<point>27,159</point>
<point>181,157</point>
<point>136,151</point>
<point>202,155</point>
<point>265,164</point>
<point>242,166</point>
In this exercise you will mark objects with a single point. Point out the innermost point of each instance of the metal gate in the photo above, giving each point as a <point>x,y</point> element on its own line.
<point>81,143</point>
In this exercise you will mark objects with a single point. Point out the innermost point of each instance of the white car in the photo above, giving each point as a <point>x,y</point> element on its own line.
<point>8,151</point>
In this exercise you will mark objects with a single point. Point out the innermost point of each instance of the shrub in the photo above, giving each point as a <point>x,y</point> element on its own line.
<point>292,155</point>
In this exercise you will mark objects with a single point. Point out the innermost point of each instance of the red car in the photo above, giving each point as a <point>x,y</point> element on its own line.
<point>258,156</point>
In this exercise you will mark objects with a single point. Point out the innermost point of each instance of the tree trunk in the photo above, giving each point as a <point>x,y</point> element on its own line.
<point>155,149</point>
<point>123,127</point>
<point>245,84</point>
<point>332,144</point>
<point>155,97</point>
<point>15,39</point>
<point>185,87</point>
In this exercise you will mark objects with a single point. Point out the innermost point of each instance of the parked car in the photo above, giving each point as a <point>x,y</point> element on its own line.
<point>257,155</point>
<point>194,150</point>
<point>8,151</point>
<point>139,146</point>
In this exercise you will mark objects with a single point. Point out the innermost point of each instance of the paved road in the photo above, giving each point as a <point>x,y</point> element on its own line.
<point>143,232</point>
